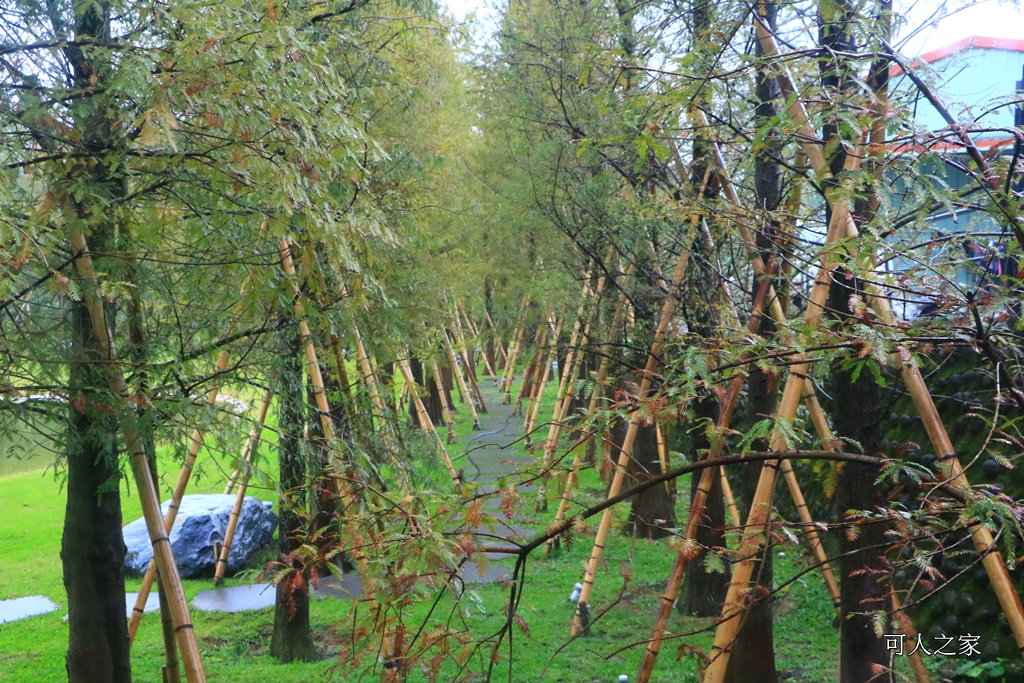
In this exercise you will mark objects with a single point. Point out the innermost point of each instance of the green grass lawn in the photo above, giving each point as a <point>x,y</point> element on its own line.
<point>234,646</point>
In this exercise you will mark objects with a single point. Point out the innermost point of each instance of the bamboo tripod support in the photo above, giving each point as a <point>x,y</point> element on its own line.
<point>760,507</point>
<point>236,509</point>
<point>460,345</point>
<point>324,409</point>
<point>453,361</point>
<point>981,536</point>
<point>476,336</point>
<point>187,466</point>
<point>777,313</point>
<point>573,362</point>
<point>626,451</point>
<point>148,496</point>
<point>445,409</point>
<point>426,423</point>
<point>531,418</point>
<point>595,395</point>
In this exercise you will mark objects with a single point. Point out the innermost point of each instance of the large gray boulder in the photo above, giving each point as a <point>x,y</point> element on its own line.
<point>201,522</point>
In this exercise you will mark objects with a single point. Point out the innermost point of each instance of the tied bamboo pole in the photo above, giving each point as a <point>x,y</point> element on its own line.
<point>981,536</point>
<point>453,361</point>
<point>445,410</point>
<point>688,549</point>
<point>573,363</point>
<point>236,509</point>
<point>148,496</point>
<point>426,423</point>
<point>552,356</point>
<point>180,487</point>
<point>588,433</point>
<point>626,451</point>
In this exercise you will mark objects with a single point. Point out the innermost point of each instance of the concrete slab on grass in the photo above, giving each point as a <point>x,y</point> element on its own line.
<point>20,608</point>
<point>152,602</point>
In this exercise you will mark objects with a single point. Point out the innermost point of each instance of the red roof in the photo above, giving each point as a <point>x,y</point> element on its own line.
<point>983,42</point>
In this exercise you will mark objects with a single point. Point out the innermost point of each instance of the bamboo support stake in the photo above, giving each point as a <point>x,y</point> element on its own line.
<point>445,410</point>
<point>688,549</point>
<point>545,374</point>
<point>776,312</point>
<point>573,363</point>
<point>577,461</point>
<point>236,509</point>
<point>148,496</point>
<point>453,361</point>
<point>730,500</point>
<point>254,435</point>
<point>426,423</point>
<point>626,451</point>
<point>981,536</point>
<point>917,666</point>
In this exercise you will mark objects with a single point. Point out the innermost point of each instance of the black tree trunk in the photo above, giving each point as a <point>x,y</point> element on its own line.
<point>92,549</point>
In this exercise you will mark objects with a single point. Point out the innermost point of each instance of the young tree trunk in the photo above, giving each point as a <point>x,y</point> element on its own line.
<point>292,639</point>
<point>92,549</point>
<point>862,567</point>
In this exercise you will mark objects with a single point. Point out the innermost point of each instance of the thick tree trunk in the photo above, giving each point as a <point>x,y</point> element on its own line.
<point>292,639</point>
<point>92,549</point>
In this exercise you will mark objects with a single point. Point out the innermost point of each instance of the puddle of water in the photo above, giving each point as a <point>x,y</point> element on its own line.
<point>25,447</point>
<point>19,608</point>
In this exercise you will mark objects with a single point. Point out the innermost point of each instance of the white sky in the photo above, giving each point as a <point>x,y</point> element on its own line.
<point>963,18</point>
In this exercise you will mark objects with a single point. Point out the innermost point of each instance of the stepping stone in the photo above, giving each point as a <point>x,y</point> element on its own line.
<point>235,598</point>
<point>349,588</point>
<point>19,608</point>
<point>152,602</point>
<point>494,574</point>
